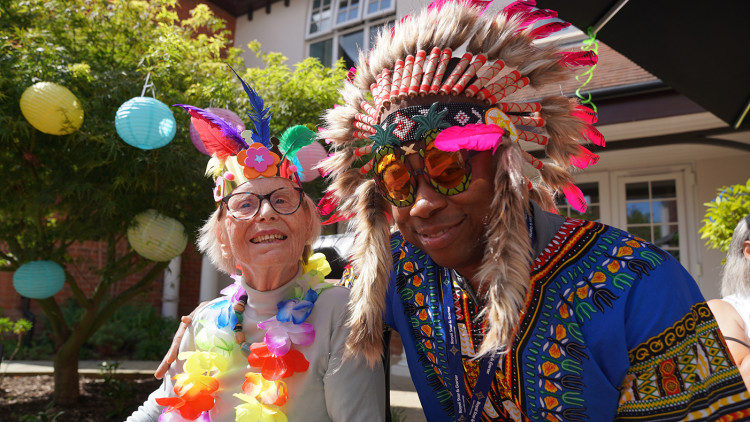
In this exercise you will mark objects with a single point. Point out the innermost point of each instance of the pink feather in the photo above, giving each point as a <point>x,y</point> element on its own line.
<point>586,114</point>
<point>517,7</point>
<point>438,4</point>
<point>579,58</point>
<point>584,158</point>
<point>547,29</point>
<point>477,137</point>
<point>593,135</point>
<point>328,203</point>
<point>530,18</point>
<point>575,198</point>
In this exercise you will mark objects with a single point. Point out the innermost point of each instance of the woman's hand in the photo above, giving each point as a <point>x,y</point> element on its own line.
<point>174,349</point>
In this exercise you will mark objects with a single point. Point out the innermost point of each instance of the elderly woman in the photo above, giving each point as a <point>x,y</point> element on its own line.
<point>272,348</point>
<point>732,311</point>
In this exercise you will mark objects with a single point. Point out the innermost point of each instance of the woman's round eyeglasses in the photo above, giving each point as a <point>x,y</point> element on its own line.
<point>245,205</point>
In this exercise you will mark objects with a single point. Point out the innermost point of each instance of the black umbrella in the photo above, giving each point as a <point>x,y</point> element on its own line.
<point>700,48</point>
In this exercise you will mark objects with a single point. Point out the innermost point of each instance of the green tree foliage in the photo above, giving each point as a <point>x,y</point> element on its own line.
<point>732,203</point>
<point>59,190</point>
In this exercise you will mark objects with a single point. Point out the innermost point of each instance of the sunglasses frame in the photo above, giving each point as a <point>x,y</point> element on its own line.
<point>421,146</point>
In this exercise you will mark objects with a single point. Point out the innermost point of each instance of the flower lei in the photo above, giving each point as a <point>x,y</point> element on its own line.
<point>263,394</point>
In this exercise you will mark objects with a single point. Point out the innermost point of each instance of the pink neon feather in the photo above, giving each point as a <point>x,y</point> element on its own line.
<point>574,197</point>
<point>579,58</point>
<point>547,29</point>
<point>477,137</point>
<point>218,136</point>
<point>584,158</point>
<point>521,6</point>
<point>328,203</point>
<point>438,4</point>
<point>335,218</point>
<point>586,114</point>
<point>536,15</point>
<point>592,134</point>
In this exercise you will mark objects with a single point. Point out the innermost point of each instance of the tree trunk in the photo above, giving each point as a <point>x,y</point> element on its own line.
<point>66,376</point>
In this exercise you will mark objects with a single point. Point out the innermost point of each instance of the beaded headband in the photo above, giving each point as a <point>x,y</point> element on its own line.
<point>238,157</point>
<point>416,70</point>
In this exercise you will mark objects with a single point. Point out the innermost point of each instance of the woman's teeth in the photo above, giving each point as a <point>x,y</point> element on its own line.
<point>267,238</point>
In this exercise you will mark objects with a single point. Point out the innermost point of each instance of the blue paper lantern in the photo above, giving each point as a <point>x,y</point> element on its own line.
<point>145,123</point>
<point>39,279</point>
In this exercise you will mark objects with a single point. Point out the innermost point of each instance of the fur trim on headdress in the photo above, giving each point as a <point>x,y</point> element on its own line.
<point>371,261</point>
<point>504,274</point>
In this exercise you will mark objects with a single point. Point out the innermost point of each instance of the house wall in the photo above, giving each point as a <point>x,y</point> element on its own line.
<point>266,29</point>
<point>713,174</point>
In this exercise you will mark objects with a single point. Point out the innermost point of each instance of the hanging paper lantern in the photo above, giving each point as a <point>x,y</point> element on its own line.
<point>156,237</point>
<point>39,279</point>
<point>51,108</point>
<point>145,123</point>
<point>309,156</point>
<point>225,114</point>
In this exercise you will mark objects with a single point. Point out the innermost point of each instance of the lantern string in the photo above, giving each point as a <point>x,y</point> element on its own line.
<point>147,85</point>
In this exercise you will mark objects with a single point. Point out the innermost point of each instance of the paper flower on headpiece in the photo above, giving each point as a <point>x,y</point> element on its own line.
<point>239,157</point>
<point>258,161</point>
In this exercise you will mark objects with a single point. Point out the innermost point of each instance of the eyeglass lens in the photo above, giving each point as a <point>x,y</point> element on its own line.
<point>246,204</point>
<point>446,171</point>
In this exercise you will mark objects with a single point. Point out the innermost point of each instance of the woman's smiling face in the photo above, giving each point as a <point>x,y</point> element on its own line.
<point>267,239</point>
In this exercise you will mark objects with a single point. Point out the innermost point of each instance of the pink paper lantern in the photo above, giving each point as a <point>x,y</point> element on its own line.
<point>225,114</point>
<point>308,157</point>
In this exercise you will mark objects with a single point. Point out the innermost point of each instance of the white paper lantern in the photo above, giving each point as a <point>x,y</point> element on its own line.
<point>157,237</point>
<point>308,157</point>
<point>39,279</point>
<point>51,108</point>
<point>145,123</point>
<point>225,114</point>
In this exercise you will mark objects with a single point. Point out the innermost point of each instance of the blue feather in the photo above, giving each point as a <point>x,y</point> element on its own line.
<point>258,114</point>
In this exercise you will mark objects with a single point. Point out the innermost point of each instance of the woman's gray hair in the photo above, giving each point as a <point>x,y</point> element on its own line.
<point>209,244</point>
<point>735,276</point>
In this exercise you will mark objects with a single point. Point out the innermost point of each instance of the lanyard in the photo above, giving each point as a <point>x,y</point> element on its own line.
<point>456,366</point>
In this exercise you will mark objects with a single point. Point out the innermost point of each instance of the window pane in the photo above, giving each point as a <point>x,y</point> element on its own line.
<point>666,235</point>
<point>636,191</point>
<point>642,232</point>
<point>663,189</point>
<point>639,212</point>
<point>591,214</point>
<point>349,46</point>
<point>323,50</point>
<point>665,211</point>
<point>590,192</point>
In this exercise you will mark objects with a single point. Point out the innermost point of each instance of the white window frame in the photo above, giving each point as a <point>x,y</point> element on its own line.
<point>357,19</point>
<point>308,20</point>
<point>335,34</point>
<point>684,186</point>
<point>389,10</point>
<point>602,180</point>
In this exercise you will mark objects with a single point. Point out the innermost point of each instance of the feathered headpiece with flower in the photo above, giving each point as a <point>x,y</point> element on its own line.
<point>237,157</point>
<point>422,91</point>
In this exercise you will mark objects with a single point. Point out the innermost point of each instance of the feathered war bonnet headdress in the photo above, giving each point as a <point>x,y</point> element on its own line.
<point>412,68</point>
<point>237,157</point>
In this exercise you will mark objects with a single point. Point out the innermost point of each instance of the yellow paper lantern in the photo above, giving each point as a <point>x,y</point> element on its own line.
<point>157,237</point>
<point>51,108</point>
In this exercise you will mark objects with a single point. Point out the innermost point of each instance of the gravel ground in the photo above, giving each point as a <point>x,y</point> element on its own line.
<point>100,400</point>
